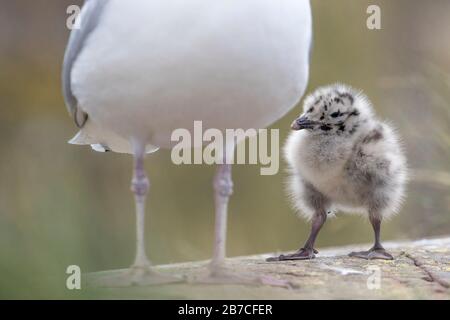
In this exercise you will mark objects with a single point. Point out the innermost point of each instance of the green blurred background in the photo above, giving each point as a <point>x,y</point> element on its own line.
<point>63,205</point>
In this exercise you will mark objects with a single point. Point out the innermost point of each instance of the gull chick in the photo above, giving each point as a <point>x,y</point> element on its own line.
<point>343,158</point>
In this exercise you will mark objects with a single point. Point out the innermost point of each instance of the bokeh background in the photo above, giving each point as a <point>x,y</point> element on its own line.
<point>63,205</point>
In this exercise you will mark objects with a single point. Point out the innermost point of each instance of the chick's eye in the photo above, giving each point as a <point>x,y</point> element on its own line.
<point>335,114</point>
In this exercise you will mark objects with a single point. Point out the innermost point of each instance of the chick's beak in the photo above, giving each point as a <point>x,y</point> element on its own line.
<point>303,123</point>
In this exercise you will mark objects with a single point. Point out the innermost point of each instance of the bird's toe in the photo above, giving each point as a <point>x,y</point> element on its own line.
<point>372,254</point>
<point>380,254</point>
<point>302,254</point>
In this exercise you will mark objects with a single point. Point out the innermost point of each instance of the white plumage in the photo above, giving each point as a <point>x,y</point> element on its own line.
<point>231,64</point>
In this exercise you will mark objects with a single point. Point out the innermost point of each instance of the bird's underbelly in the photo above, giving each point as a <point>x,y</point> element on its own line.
<point>232,64</point>
<point>330,180</point>
<point>340,192</point>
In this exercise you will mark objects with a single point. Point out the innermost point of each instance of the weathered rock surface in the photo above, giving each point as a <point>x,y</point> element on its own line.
<point>421,270</point>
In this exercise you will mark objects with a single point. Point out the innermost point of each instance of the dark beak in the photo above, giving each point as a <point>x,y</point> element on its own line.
<point>303,123</point>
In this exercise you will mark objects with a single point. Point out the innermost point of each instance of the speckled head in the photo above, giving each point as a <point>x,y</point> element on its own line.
<point>335,109</point>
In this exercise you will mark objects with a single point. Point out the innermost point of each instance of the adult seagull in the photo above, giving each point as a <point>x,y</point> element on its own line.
<point>136,70</point>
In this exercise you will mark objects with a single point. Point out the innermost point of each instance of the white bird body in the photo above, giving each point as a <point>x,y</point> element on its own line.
<point>151,67</point>
<point>139,69</point>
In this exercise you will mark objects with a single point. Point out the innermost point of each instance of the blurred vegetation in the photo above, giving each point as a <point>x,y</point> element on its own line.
<point>62,205</point>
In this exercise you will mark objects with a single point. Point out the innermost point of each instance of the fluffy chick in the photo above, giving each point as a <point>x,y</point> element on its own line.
<point>342,157</point>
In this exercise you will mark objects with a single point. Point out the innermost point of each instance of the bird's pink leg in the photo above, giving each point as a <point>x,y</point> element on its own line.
<point>218,271</point>
<point>140,186</point>
<point>223,189</point>
<point>140,273</point>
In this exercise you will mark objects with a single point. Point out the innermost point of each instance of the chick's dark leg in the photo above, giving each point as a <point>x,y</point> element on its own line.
<point>377,251</point>
<point>308,251</point>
